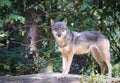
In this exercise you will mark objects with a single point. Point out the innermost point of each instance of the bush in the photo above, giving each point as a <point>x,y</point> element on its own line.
<point>13,62</point>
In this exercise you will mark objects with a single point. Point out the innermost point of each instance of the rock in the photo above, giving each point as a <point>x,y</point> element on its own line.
<point>52,78</point>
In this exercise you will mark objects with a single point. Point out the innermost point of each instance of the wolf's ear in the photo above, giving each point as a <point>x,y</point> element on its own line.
<point>52,22</point>
<point>65,21</point>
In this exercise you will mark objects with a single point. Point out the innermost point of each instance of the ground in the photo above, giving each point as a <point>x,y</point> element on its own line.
<point>55,78</point>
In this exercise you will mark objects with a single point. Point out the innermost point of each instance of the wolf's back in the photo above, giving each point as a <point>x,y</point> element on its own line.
<point>87,37</point>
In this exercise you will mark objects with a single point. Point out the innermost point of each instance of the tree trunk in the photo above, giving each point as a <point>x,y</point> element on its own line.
<point>32,34</point>
<point>49,67</point>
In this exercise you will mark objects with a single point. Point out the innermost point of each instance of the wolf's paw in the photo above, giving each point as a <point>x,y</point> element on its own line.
<point>61,76</point>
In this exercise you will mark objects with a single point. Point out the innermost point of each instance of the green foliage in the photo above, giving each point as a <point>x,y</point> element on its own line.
<point>17,18</point>
<point>116,70</point>
<point>9,12</point>
<point>57,64</point>
<point>1,23</point>
<point>8,59</point>
<point>5,2</point>
<point>12,61</point>
<point>93,79</point>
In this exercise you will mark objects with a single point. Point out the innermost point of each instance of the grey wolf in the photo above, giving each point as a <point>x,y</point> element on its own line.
<point>72,42</point>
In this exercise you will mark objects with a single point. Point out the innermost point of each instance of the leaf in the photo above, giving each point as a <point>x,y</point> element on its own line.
<point>1,44</point>
<point>17,18</point>
<point>23,33</point>
<point>6,67</point>
<point>6,2</point>
<point>41,6</point>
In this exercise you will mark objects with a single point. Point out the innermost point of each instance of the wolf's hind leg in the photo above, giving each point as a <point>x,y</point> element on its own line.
<point>104,50</point>
<point>98,59</point>
<point>106,58</point>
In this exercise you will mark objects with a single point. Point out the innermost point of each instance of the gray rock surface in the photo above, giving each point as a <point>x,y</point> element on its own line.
<point>50,78</point>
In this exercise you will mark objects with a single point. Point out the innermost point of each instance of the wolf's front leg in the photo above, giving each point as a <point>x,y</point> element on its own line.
<point>67,60</point>
<point>64,63</point>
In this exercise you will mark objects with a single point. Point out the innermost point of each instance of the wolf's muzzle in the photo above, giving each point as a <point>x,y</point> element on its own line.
<point>59,35</point>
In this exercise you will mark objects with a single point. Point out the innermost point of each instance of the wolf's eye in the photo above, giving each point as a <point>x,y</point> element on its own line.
<point>55,29</point>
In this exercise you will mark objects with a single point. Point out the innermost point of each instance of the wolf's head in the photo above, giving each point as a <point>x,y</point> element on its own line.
<point>59,29</point>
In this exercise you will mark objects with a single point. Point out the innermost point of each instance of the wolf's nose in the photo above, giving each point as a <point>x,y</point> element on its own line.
<point>59,35</point>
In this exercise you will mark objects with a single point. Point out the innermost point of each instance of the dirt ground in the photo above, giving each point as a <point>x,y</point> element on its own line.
<point>51,78</point>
